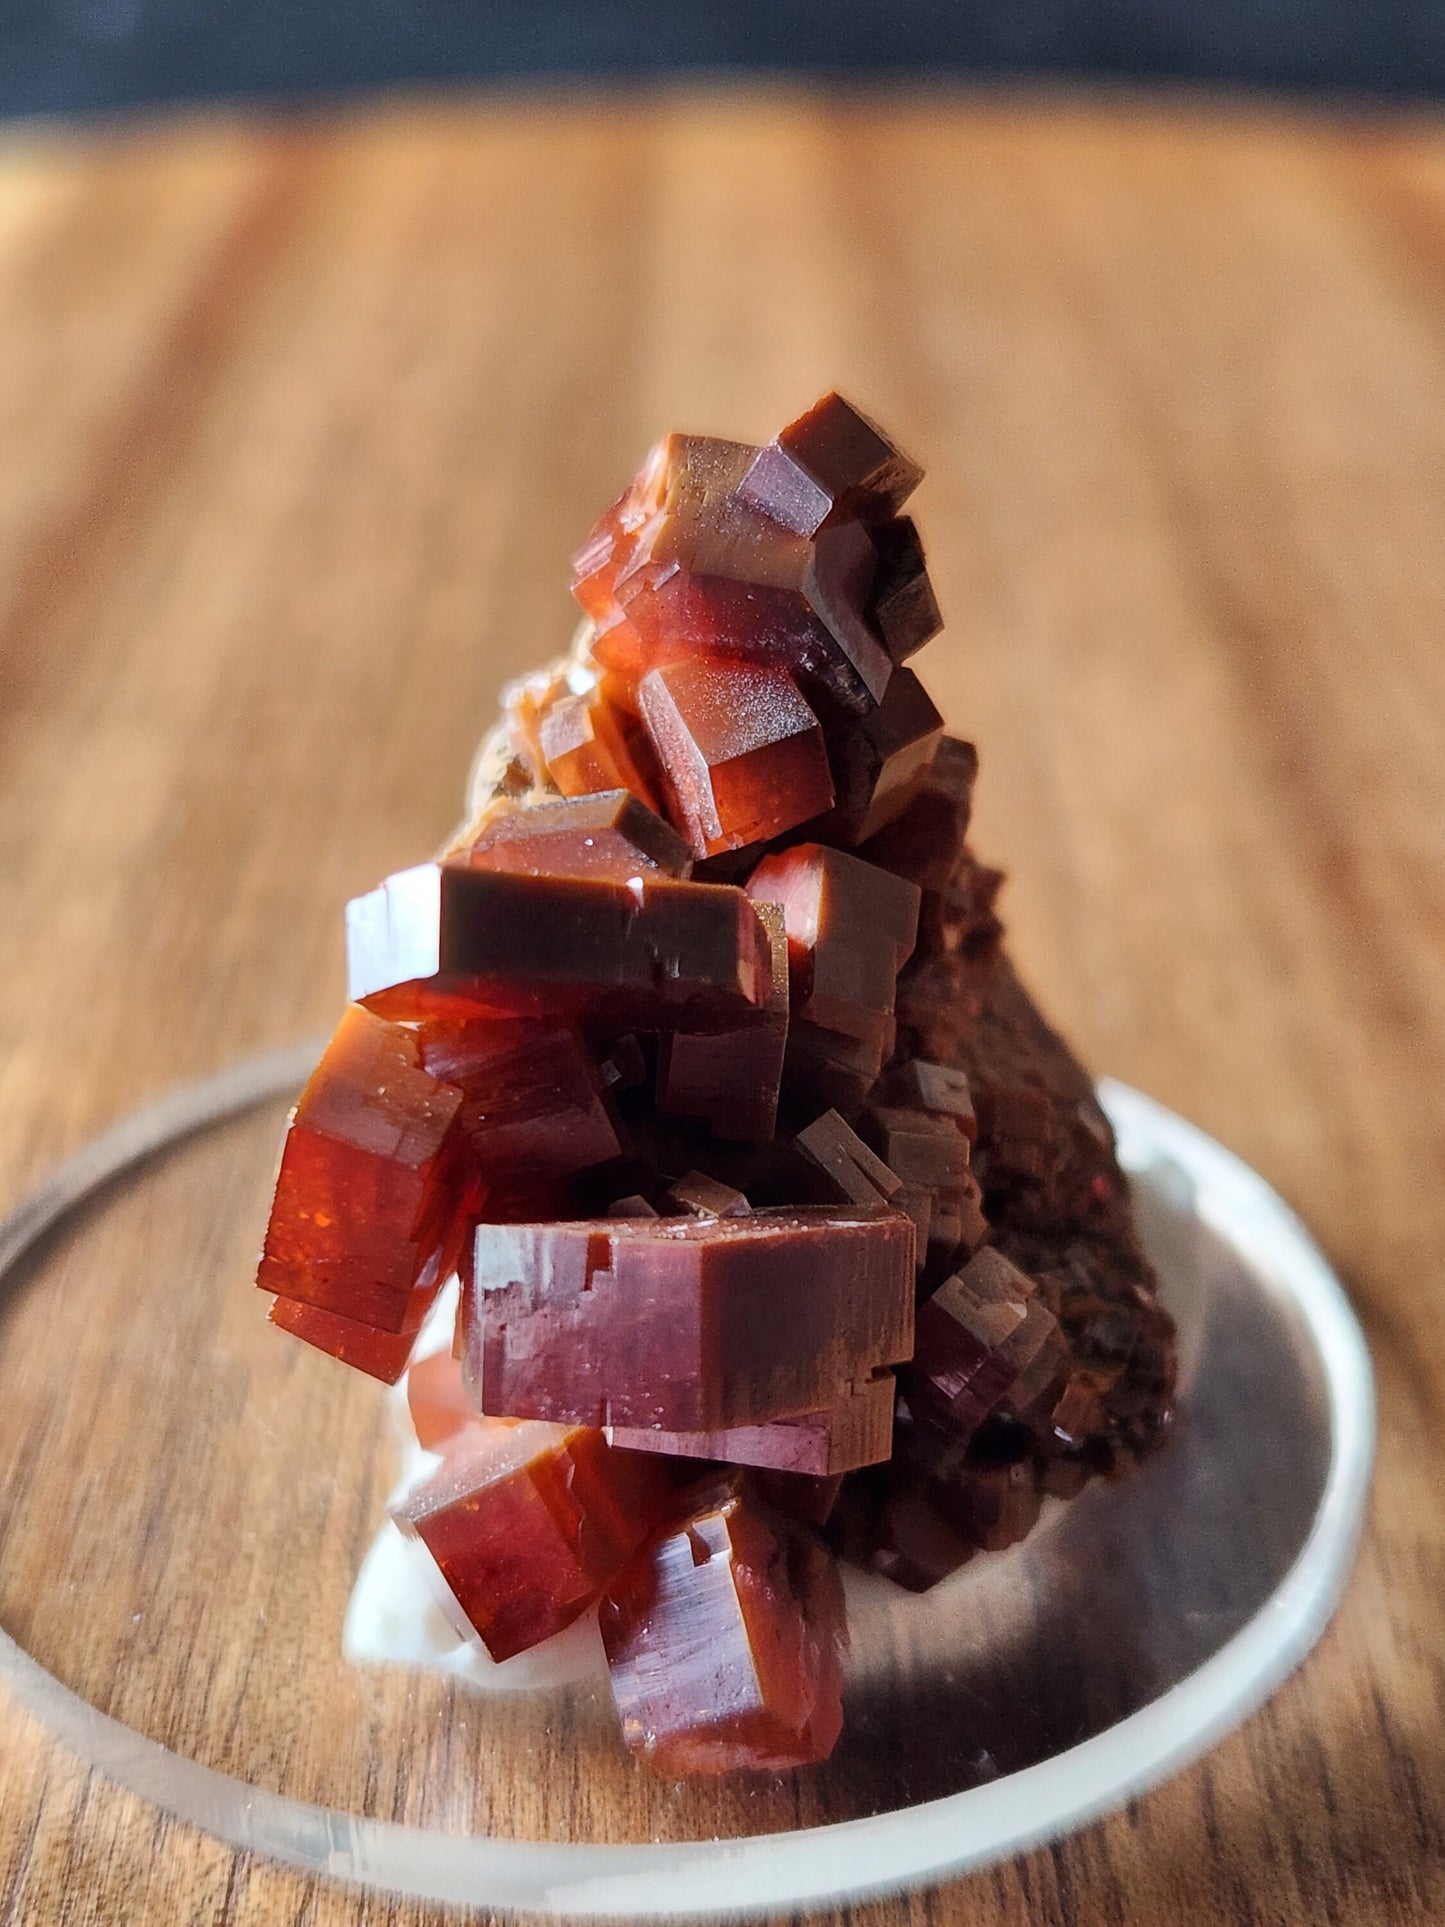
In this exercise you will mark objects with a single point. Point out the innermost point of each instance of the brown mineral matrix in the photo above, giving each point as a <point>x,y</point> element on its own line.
<point>1055,1199</point>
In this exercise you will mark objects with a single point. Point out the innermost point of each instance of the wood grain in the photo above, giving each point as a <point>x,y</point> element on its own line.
<point>298,424</point>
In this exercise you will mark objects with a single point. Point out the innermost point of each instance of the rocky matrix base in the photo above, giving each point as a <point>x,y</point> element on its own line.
<point>787,1228</point>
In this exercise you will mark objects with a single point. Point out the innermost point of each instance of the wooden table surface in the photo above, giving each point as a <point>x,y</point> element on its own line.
<point>298,426</point>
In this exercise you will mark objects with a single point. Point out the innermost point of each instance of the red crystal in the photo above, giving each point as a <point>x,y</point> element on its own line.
<point>959,1372</point>
<point>437,1400</point>
<point>663,615</point>
<point>703,527</point>
<point>851,927</point>
<point>857,1429</point>
<point>527,1523</point>
<point>448,938</point>
<point>882,761</point>
<point>524,704</point>
<point>534,1103</point>
<point>682,566</point>
<point>634,1205</point>
<point>725,1640</point>
<point>921,1147</point>
<point>825,1068</point>
<point>609,834</point>
<point>898,1531</point>
<point>848,1167</point>
<point>902,608</point>
<point>686,1325</point>
<point>585,747</point>
<point>939,1088</point>
<point>925,842</point>
<point>744,754</point>
<point>984,1341</point>
<point>829,463</point>
<point>732,1078</point>
<point>363,1200</point>
<point>705,1197</point>
<point>836,587</point>
<point>380,1354</point>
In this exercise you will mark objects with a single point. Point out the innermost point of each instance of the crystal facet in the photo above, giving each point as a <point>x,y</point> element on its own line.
<point>448,938</point>
<point>362,1207</point>
<point>686,1324</point>
<point>744,754</point>
<point>725,1640</point>
<point>828,463</point>
<point>609,834</point>
<point>527,1523</point>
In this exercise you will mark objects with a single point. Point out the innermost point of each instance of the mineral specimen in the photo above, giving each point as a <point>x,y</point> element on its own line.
<point>787,1228</point>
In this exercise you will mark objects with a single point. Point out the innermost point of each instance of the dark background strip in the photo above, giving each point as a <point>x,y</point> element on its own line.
<point>60,56</point>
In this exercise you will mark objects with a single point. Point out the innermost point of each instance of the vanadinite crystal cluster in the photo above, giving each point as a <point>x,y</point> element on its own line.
<point>788,1231</point>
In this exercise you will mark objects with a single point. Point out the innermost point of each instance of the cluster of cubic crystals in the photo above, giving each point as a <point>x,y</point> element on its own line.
<point>787,1230</point>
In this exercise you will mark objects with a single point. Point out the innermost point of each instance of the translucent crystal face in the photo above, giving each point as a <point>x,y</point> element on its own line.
<point>686,1323</point>
<point>725,1641</point>
<point>527,1523</point>
<point>788,1228</point>
<point>745,757</point>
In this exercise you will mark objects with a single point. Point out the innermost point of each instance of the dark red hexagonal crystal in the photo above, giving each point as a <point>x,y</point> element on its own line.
<point>526,1524</point>
<point>450,939</point>
<point>829,463</point>
<point>744,754</point>
<point>725,1640</point>
<point>686,1324</point>
<point>610,834</point>
<point>364,1198</point>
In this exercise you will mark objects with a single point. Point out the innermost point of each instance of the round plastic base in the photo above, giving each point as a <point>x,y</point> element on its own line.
<point>186,1496</point>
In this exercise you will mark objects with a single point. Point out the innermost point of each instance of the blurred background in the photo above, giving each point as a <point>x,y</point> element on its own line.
<point>63,55</point>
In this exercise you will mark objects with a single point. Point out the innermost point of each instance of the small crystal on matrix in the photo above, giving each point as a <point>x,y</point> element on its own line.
<point>725,1638</point>
<point>744,754</point>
